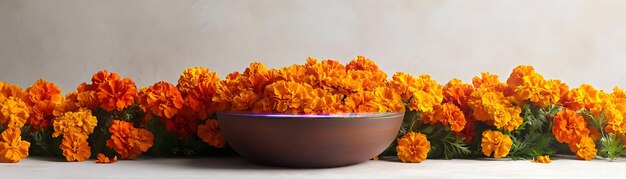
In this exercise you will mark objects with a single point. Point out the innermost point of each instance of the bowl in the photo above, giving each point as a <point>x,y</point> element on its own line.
<point>309,141</point>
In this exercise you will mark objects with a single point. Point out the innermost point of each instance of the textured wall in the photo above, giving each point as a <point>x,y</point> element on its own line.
<point>65,41</point>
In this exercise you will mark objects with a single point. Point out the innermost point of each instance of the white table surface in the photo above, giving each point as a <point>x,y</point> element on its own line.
<point>234,167</point>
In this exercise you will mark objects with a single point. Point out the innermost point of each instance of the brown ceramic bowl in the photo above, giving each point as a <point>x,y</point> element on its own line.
<point>309,141</point>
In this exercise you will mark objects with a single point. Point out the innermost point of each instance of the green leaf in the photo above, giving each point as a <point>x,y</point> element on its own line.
<point>611,147</point>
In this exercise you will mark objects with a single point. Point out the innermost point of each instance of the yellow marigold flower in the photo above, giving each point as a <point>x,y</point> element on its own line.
<point>102,159</point>
<point>569,127</point>
<point>585,149</point>
<point>497,143</point>
<point>162,99</point>
<point>413,147</point>
<point>75,147</point>
<point>79,122</point>
<point>211,134</point>
<point>7,90</point>
<point>543,159</point>
<point>192,77</point>
<point>13,112</point>
<point>457,93</point>
<point>12,147</point>
<point>362,63</point>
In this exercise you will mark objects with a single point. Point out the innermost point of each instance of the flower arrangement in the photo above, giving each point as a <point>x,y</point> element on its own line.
<point>524,117</point>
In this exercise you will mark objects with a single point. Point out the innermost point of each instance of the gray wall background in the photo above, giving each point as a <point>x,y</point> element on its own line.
<point>65,41</point>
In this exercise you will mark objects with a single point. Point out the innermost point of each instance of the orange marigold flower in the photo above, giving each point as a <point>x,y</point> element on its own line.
<point>41,115</point>
<point>421,93</point>
<point>497,143</point>
<point>42,90</point>
<point>294,73</point>
<point>362,102</point>
<point>585,149</point>
<point>12,147</point>
<point>211,134</point>
<point>127,140</point>
<point>584,96</point>
<point>614,114</point>
<point>322,102</point>
<point>116,94</point>
<point>542,159</point>
<point>75,147</point>
<point>569,127</point>
<point>244,100</point>
<point>7,90</point>
<point>529,85</point>
<point>79,122</point>
<point>87,99</point>
<point>413,147</point>
<point>102,159</point>
<point>13,112</point>
<point>288,97</point>
<point>180,125</point>
<point>490,82</point>
<point>102,77</point>
<point>192,77</point>
<point>325,74</point>
<point>362,63</point>
<point>450,115</point>
<point>495,109</point>
<point>162,99</point>
<point>388,100</point>
<point>458,93</point>
<point>469,131</point>
<point>200,99</point>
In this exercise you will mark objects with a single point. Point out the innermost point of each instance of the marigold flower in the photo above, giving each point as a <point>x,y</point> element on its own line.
<point>162,99</point>
<point>421,93</point>
<point>12,147</point>
<point>13,112</point>
<point>41,115</point>
<point>495,109</point>
<point>322,102</point>
<point>211,134</point>
<point>102,77</point>
<point>75,147</point>
<point>542,159</point>
<point>200,99</point>
<point>102,159</point>
<point>584,96</point>
<point>42,90</point>
<point>180,125</point>
<point>87,99</point>
<point>127,140</point>
<point>585,149</point>
<point>362,63</point>
<point>497,143</point>
<point>490,82</point>
<point>457,93</point>
<point>192,77</point>
<point>79,122</point>
<point>326,74</point>
<point>116,94</point>
<point>413,147</point>
<point>7,90</point>
<point>362,102</point>
<point>529,85</point>
<point>288,97</point>
<point>569,127</point>
<point>450,115</point>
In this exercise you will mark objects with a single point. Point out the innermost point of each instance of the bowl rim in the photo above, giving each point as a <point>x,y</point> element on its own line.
<point>315,116</point>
